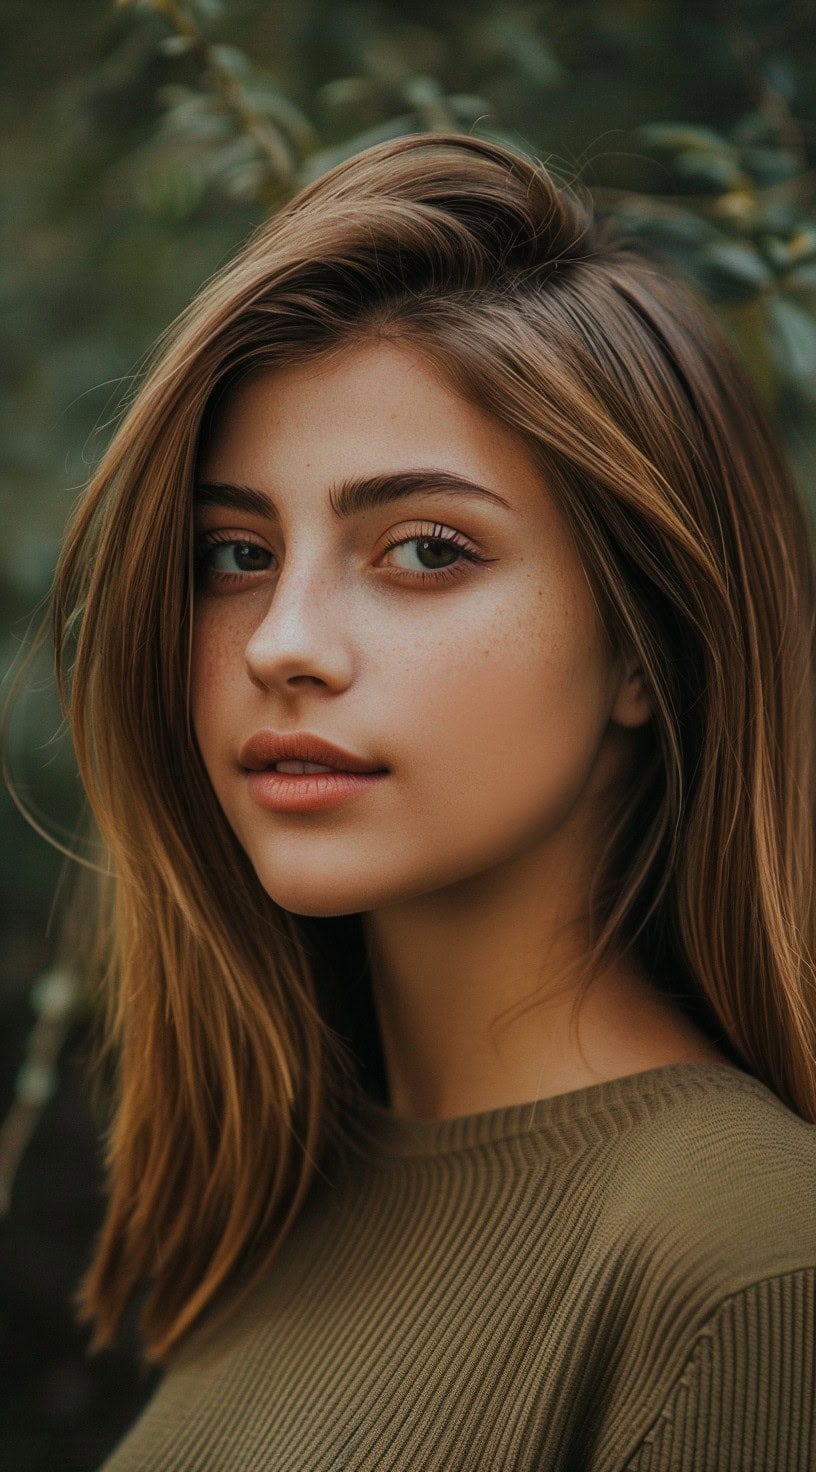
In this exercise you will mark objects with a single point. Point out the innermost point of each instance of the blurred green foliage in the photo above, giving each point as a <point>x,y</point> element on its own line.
<point>141,142</point>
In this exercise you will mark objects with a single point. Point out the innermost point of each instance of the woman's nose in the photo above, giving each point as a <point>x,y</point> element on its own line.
<point>301,634</point>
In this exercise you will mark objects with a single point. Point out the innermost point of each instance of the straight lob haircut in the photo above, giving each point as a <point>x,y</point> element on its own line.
<point>237,1029</point>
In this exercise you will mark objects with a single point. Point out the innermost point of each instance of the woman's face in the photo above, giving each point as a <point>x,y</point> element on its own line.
<point>473,667</point>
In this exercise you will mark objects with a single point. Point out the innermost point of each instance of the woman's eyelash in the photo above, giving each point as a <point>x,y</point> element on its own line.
<point>442,534</point>
<point>436,533</point>
<point>208,541</point>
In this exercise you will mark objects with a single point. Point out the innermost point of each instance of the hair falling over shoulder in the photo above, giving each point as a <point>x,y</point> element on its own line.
<point>230,1021</point>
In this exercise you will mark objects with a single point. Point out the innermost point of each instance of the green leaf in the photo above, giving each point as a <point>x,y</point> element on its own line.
<point>345,91</point>
<point>426,95</point>
<point>680,136</point>
<point>176,45</point>
<point>768,166</point>
<point>793,342</point>
<point>230,59</point>
<point>778,219</point>
<point>190,112</point>
<point>776,252</point>
<point>730,271</point>
<point>267,100</point>
<point>784,255</point>
<point>422,90</point>
<point>680,232</point>
<point>718,171</point>
<point>197,125</point>
<point>206,10</point>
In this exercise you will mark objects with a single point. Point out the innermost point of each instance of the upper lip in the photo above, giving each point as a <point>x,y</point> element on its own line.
<point>267,747</point>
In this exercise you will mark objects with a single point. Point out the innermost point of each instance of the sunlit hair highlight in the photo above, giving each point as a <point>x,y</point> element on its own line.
<point>241,1034</point>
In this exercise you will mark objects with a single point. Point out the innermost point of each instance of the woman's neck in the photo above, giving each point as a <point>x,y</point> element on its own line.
<point>445,966</point>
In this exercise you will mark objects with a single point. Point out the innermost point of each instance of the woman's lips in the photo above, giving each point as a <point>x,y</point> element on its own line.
<point>266,748</point>
<point>292,792</point>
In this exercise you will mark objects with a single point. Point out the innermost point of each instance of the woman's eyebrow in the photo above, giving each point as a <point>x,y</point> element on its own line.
<point>349,497</point>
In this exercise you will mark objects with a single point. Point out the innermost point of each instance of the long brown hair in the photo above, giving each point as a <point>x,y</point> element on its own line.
<point>220,1007</point>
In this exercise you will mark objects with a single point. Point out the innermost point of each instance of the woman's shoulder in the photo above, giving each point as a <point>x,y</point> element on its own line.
<point>718,1178</point>
<point>708,1225</point>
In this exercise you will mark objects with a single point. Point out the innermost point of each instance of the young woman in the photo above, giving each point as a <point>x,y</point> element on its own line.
<point>437,636</point>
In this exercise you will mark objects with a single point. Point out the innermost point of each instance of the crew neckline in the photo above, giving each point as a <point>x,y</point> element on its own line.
<point>627,1096</point>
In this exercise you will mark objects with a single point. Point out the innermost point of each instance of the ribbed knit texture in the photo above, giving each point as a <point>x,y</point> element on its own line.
<point>618,1279</point>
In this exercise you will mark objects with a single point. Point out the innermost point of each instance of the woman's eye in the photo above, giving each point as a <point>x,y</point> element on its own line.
<point>432,554</point>
<point>233,557</point>
<point>438,552</point>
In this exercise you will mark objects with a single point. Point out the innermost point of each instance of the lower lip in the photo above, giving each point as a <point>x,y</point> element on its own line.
<point>293,792</point>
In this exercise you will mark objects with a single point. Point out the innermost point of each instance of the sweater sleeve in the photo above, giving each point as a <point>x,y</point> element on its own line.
<point>746,1398</point>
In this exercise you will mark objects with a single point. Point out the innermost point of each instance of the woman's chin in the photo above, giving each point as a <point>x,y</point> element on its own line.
<point>318,900</point>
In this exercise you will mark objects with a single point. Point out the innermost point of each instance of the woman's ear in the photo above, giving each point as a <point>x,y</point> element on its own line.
<point>632,704</point>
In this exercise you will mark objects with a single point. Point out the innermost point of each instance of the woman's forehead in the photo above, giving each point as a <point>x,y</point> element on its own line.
<point>374,409</point>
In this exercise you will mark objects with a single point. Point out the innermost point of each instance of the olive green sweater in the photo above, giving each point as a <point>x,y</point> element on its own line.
<point>622,1277</point>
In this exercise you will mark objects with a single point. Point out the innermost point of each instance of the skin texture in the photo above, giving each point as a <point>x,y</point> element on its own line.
<point>491,696</point>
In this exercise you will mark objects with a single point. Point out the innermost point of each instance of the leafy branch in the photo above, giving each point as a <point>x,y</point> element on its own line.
<point>238,129</point>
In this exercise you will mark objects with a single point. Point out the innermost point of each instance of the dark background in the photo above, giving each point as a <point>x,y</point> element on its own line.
<point>139,144</point>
